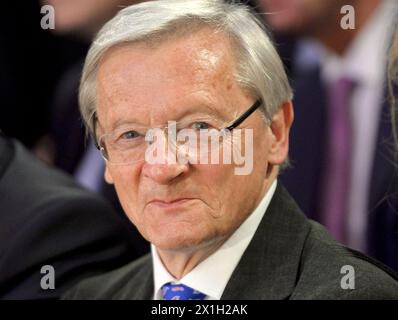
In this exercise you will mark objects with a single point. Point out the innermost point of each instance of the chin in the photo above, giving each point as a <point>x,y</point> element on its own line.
<point>174,243</point>
<point>171,241</point>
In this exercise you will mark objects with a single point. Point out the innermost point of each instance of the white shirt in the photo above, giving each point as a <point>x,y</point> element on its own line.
<point>212,274</point>
<point>365,62</point>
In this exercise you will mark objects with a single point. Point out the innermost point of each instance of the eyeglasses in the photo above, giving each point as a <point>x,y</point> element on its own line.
<point>133,143</point>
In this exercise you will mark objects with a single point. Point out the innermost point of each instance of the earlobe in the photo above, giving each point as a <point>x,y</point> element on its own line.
<point>280,127</point>
<point>107,175</point>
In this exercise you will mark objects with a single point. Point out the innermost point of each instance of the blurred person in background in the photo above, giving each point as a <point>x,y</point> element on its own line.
<point>67,147</point>
<point>46,219</point>
<point>343,172</point>
<point>31,60</point>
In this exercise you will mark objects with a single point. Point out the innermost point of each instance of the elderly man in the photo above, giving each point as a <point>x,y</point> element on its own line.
<point>163,73</point>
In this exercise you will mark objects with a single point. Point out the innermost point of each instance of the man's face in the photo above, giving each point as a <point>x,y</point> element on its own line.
<point>180,206</point>
<point>300,16</point>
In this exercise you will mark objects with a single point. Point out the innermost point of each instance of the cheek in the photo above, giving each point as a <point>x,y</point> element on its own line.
<point>231,196</point>
<point>215,175</point>
<point>220,188</point>
<point>212,181</point>
<point>222,180</point>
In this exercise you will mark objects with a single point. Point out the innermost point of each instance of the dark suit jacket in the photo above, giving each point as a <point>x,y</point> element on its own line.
<point>46,219</point>
<point>289,257</point>
<point>307,153</point>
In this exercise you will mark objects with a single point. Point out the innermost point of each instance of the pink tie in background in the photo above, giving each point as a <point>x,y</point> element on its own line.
<point>336,183</point>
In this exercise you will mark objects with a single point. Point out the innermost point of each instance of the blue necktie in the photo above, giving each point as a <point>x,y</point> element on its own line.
<point>180,292</point>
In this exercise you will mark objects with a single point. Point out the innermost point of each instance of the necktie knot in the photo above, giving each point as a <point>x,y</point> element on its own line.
<point>180,292</point>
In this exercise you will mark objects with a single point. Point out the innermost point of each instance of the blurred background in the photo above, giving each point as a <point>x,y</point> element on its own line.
<point>343,170</point>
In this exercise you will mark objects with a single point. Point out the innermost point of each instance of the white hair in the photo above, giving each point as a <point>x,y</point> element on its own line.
<point>259,68</point>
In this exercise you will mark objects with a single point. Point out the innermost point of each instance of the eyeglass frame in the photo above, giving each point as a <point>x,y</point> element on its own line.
<point>231,127</point>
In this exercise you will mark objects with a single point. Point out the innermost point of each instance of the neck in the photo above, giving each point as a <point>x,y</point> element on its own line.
<point>179,263</point>
<point>339,40</point>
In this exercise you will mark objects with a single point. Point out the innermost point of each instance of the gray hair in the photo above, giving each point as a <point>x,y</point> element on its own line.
<point>259,68</point>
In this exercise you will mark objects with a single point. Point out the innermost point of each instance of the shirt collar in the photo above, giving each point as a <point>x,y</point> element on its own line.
<point>212,275</point>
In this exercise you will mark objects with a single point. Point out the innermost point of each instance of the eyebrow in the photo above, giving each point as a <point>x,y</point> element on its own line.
<point>121,122</point>
<point>200,108</point>
<point>187,112</point>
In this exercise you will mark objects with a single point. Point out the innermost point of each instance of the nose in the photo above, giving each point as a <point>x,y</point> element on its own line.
<point>164,173</point>
<point>164,167</point>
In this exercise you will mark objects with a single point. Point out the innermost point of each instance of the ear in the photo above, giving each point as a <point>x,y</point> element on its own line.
<point>280,127</point>
<point>107,175</point>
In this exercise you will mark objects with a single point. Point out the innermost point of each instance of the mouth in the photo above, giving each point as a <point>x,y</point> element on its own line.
<point>170,204</point>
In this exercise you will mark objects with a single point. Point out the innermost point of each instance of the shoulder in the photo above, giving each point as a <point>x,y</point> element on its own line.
<point>33,188</point>
<point>118,284</point>
<point>329,270</point>
<point>41,196</point>
<point>49,218</point>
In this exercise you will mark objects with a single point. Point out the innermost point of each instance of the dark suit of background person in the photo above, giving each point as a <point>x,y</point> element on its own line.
<point>308,155</point>
<point>72,151</point>
<point>72,147</point>
<point>305,177</point>
<point>46,219</point>
<point>289,257</point>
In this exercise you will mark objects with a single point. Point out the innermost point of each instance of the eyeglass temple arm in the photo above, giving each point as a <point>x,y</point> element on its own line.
<point>244,116</point>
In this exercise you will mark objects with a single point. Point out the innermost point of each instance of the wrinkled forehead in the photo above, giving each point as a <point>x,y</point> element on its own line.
<point>150,82</point>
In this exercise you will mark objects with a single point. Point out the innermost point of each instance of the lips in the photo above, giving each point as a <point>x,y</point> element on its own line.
<point>170,203</point>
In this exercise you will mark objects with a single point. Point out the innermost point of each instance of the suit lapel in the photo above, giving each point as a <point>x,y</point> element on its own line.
<point>145,290</point>
<point>269,267</point>
<point>142,287</point>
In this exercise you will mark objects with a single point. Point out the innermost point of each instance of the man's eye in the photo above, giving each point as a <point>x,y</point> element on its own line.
<point>200,125</point>
<point>130,135</point>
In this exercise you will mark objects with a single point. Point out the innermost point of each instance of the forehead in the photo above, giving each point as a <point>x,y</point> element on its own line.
<point>151,81</point>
